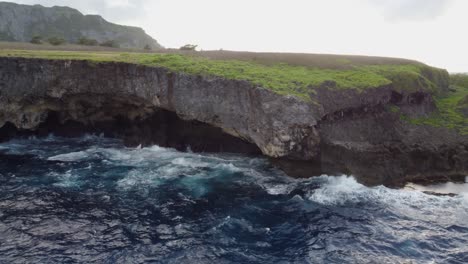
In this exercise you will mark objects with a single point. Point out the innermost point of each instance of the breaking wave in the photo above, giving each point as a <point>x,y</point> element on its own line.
<point>92,200</point>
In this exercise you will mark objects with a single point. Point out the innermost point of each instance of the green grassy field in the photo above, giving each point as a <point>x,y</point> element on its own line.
<point>328,61</point>
<point>276,72</point>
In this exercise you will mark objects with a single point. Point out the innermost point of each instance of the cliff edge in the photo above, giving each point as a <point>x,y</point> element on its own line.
<point>371,121</point>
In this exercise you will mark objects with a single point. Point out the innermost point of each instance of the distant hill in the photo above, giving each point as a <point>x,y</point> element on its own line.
<point>23,22</point>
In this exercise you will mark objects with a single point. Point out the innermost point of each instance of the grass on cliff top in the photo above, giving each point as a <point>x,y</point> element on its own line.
<point>452,107</point>
<point>328,61</point>
<point>282,78</point>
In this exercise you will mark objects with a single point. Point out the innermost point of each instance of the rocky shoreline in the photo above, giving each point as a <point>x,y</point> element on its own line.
<point>337,131</point>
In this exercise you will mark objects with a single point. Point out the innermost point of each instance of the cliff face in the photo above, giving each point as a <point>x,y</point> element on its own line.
<point>345,131</point>
<point>280,126</point>
<point>23,22</point>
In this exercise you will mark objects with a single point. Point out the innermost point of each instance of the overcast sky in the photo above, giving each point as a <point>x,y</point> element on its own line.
<point>431,31</point>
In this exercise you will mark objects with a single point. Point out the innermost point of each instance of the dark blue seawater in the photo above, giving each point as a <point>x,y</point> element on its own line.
<point>91,200</point>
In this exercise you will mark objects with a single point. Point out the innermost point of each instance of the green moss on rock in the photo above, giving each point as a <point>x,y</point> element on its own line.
<point>452,108</point>
<point>414,77</point>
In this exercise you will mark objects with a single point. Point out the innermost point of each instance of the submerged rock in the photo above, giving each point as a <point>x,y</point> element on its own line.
<point>337,131</point>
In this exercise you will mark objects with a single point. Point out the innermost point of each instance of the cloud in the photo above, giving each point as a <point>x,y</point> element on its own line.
<point>412,10</point>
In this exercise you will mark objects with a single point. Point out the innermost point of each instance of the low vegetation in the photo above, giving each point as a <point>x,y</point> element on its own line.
<point>459,80</point>
<point>189,47</point>
<point>36,40</point>
<point>110,43</point>
<point>87,41</point>
<point>452,107</point>
<point>282,78</point>
<point>56,41</point>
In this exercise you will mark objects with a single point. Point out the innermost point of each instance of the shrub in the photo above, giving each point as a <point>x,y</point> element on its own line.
<point>189,47</point>
<point>56,41</point>
<point>88,42</point>
<point>459,79</point>
<point>36,40</point>
<point>110,43</point>
<point>147,47</point>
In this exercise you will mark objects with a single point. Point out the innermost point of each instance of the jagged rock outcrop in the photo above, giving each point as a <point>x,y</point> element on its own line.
<point>23,22</point>
<point>345,131</point>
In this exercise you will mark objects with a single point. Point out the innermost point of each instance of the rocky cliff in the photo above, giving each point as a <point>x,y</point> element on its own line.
<point>23,22</point>
<point>337,131</point>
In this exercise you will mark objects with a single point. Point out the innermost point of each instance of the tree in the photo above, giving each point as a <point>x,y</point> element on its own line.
<point>147,47</point>
<point>189,47</point>
<point>36,40</point>
<point>88,42</point>
<point>110,43</point>
<point>56,41</point>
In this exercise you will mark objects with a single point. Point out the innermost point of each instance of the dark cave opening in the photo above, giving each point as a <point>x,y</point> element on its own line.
<point>161,127</point>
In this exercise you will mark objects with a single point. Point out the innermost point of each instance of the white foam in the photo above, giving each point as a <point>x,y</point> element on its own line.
<point>149,177</point>
<point>346,190</point>
<point>157,149</point>
<point>128,182</point>
<point>274,183</point>
<point>338,190</point>
<point>89,137</point>
<point>189,162</point>
<point>72,156</point>
<point>67,179</point>
<point>156,165</point>
<point>443,188</point>
<point>229,167</point>
<point>277,189</point>
<point>116,154</point>
<point>135,180</point>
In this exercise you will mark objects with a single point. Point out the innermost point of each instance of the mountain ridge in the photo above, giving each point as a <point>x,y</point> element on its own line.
<point>22,22</point>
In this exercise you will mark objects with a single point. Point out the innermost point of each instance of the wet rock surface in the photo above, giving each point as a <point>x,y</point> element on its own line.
<point>337,131</point>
